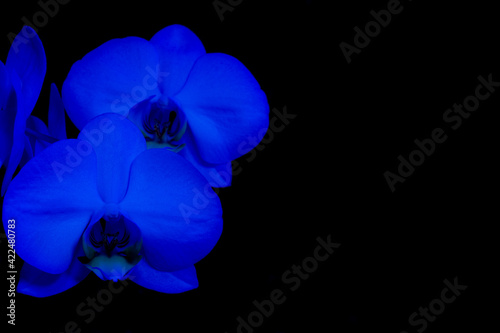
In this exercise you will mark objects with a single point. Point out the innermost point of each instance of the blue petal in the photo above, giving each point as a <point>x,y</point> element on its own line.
<point>4,87</point>
<point>12,129</point>
<point>218,175</point>
<point>117,142</point>
<point>165,282</point>
<point>225,107</point>
<point>7,114</point>
<point>57,120</point>
<point>27,58</point>
<point>27,153</point>
<point>112,78</point>
<point>179,215</point>
<point>35,282</point>
<point>179,48</point>
<point>39,126</point>
<point>52,200</point>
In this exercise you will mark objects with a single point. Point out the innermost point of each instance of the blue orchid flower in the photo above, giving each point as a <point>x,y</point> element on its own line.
<point>21,80</point>
<point>205,106</point>
<point>107,204</point>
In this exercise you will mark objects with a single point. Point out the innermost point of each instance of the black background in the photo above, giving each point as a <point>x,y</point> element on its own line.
<point>323,174</point>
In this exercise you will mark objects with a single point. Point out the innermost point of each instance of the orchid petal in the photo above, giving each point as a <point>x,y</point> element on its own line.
<point>35,282</point>
<point>52,200</point>
<point>165,282</point>
<point>57,119</point>
<point>179,215</point>
<point>179,48</point>
<point>116,142</point>
<point>225,107</point>
<point>112,78</point>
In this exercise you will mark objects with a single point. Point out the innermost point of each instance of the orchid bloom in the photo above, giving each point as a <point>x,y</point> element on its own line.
<point>107,204</point>
<point>205,106</point>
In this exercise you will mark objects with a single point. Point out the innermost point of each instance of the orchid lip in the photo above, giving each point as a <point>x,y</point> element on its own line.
<point>164,124</point>
<point>161,121</point>
<point>112,247</point>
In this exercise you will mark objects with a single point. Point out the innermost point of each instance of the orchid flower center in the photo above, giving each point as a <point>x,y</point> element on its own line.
<point>162,123</point>
<point>112,247</point>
